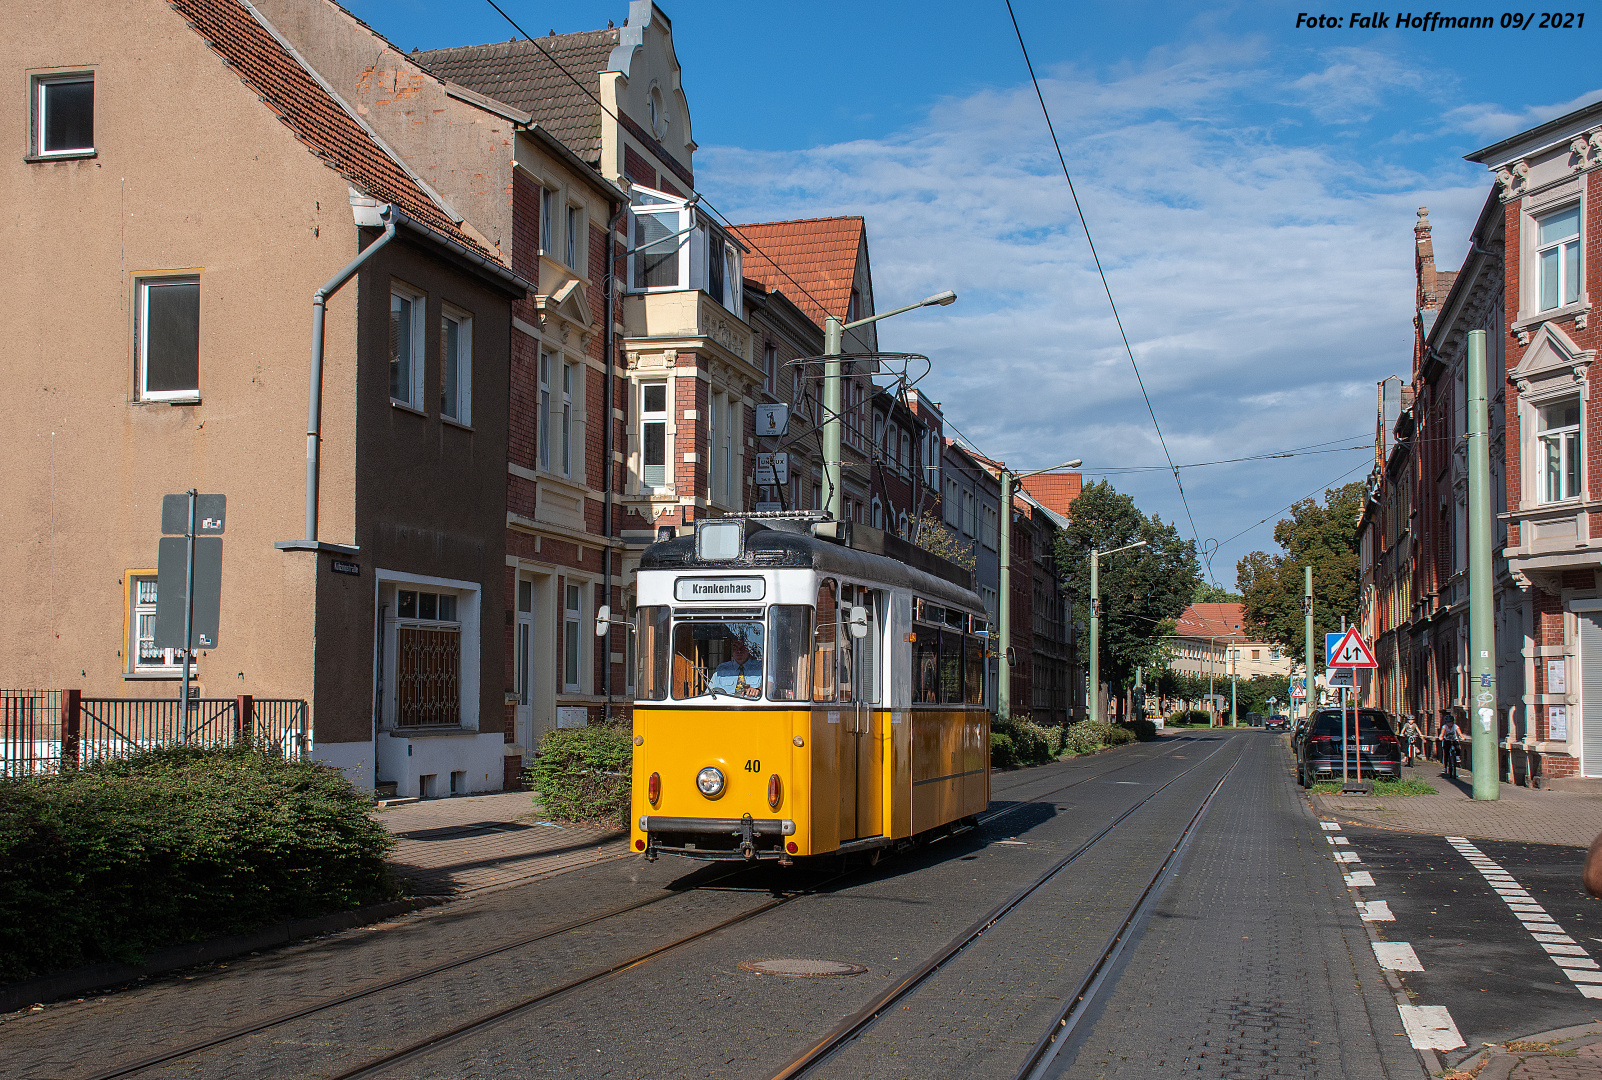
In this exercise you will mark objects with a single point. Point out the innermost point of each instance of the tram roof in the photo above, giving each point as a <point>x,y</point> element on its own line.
<point>770,548</point>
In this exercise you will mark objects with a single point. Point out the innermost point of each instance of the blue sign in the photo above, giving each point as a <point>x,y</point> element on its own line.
<point>1330,642</point>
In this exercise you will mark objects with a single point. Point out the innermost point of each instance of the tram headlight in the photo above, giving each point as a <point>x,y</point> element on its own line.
<point>710,781</point>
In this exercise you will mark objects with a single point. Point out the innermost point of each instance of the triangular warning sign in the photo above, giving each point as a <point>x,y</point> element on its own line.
<point>1351,652</point>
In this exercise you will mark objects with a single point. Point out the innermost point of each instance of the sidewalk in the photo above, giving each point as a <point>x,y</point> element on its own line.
<point>471,844</point>
<point>1521,814</point>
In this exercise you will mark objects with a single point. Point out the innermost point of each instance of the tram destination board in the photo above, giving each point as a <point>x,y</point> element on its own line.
<point>719,588</point>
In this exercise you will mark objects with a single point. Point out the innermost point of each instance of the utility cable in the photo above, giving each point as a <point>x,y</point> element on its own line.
<point>1287,506</point>
<point>1195,534</point>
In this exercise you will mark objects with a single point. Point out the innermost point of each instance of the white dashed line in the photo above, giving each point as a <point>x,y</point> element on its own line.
<point>1375,911</point>
<point>1568,955</point>
<point>1360,879</point>
<point>1430,1027</point>
<point>1347,856</point>
<point>1337,839</point>
<point>1330,826</point>
<point>1396,956</point>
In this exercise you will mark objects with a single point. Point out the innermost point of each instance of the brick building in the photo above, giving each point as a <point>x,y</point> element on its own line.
<point>1547,183</point>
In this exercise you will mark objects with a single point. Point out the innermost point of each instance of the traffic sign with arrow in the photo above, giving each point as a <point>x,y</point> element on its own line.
<point>1347,651</point>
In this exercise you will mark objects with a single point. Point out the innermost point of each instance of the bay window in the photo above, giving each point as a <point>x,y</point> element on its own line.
<point>1558,433</point>
<point>676,246</point>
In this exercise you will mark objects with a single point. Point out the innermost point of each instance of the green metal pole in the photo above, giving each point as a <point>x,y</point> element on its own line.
<point>1234,684</point>
<point>833,396</point>
<point>1482,620</point>
<point>1004,601</point>
<point>1095,637</point>
<point>1307,610</point>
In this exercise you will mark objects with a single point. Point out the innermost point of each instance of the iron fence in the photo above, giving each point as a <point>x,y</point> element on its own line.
<point>46,730</point>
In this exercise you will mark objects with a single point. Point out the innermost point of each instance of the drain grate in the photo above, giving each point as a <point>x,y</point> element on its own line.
<point>802,968</point>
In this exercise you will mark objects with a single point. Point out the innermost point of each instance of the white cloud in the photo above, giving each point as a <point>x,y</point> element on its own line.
<point>1489,122</point>
<point>1265,286</point>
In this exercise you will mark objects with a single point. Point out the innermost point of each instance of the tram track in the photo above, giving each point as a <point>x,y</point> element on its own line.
<point>479,1023</point>
<point>1044,1050</point>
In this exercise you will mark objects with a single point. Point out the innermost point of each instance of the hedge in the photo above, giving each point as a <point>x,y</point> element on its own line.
<point>583,774</point>
<point>110,861</point>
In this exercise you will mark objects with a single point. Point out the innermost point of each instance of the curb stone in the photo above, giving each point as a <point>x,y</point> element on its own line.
<point>21,995</point>
<point>1497,1062</point>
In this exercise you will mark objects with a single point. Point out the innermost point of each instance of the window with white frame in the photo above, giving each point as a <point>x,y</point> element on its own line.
<point>544,419</point>
<point>143,654</point>
<point>567,420</point>
<point>428,658</point>
<point>1558,434</point>
<point>770,368</point>
<point>653,436</point>
<point>878,513</point>
<point>575,236</point>
<point>456,366</point>
<point>676,246</point>
<point>1557,257</point>
<point>406,308</point>
<point>572,638</point>
<point>902,526</point>
<point>63,115</point>
<point>906,452</point>
<point>168,339</point>
<point>524,660</point>
<point>548,221</point>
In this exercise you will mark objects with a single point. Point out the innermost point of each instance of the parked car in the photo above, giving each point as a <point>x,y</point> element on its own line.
<point>1372,748</point>
<point>1277,722</point>
<point>1298,730</point>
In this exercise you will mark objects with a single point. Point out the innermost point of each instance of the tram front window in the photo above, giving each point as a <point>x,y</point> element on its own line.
<point>790,656</point>
<point>717,658</point>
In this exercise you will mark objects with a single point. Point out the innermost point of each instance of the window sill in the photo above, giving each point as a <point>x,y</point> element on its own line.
<point>406,408</point>
<point>1579,307</point>
<point>168,401</point>
<point>174,675</point>
<point>450,422</point>
<point>430,732</point>
<point>75,155</point>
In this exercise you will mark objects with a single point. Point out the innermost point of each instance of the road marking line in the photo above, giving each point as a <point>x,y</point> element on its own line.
<point>1564,950</point>
<point>1555,939</point>
<point>1430,1027</point>
<point>1330,826</point>
<point>1396,956</point>
<point>1590,991</point>
<point>1348,856</point>
<point>1581,975</point>
<point>1567,962</point>
<point>1337,839</point>
<point>1375,911</point>
<point>1360,879</point>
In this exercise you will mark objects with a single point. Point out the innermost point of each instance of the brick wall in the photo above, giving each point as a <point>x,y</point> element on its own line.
<point>637,169</point>
<point>525,238</point>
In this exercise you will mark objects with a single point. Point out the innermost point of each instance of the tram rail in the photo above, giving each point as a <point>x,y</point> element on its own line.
<point>440,1039</point>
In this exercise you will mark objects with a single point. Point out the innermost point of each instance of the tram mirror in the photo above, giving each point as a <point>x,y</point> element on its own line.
<point>603,620</point>
<point>858,621</point>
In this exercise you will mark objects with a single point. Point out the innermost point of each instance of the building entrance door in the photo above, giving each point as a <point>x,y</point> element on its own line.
<point>523,645</point>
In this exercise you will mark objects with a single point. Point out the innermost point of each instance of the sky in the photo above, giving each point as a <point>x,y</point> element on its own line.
<point>1251,188</point>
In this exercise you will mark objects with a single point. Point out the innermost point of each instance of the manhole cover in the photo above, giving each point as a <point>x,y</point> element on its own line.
<point>809,968</point>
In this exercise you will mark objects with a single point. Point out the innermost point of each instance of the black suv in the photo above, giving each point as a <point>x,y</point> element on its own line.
<point>1277,722</point>
<point>1371,746</point>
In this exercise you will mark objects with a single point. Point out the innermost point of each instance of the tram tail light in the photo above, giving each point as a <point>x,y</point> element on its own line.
<point>775,791</point>
<point>653,788</point>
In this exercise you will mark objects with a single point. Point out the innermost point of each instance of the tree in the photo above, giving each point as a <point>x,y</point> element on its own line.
<point>1323,537</point>
<point>933,536</point>
<point>1141,590</point>
<point>1208,593</point>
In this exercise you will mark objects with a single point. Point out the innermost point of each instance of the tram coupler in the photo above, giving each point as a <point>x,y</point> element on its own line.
<point>747,837</point>
<point>650,849</point>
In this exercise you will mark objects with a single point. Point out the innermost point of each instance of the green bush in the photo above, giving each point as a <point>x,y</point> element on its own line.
<point>1032,743</point>
<point>108,862</point>
<point>1141,728</point>
<point>1002,753</point>
<point>1191,716</point>
<point>1088,736</point>
<point>583,774</point>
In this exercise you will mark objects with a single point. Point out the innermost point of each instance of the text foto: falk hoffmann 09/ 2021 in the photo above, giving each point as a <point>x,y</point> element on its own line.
<point>1435,20</point>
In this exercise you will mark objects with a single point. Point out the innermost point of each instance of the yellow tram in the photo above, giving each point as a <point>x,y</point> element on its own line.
<point>802,690</point>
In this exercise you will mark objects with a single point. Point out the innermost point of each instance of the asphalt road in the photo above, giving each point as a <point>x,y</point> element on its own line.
<point>1252,961</point>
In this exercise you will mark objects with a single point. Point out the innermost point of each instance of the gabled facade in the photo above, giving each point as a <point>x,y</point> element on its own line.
<point>1548,183</point>
<point>203,219</point>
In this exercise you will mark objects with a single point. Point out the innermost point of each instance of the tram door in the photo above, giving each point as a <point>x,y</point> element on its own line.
<point>858,691</point>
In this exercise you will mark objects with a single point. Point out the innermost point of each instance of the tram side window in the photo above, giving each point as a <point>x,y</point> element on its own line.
<point>973,655</point>
<point>868,650</point>
<point>789,652</point>
<point>846,649</point>
<point>823,641</point>
<point>718,658</point>
<point>951,667</point>
<point>651,648</point>
<point>926,665</point>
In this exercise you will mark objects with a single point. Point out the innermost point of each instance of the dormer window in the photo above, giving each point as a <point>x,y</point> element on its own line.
<point>675,247</point>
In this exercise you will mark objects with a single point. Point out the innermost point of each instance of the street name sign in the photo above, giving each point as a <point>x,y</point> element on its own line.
<point>1347,650</point>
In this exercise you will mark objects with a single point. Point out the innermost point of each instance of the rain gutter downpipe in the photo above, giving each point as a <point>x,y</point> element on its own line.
<point>609,347</point>
<point>314,408</point>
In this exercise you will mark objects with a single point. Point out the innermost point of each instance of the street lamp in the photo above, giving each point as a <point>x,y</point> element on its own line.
<point>834,394</point>
<point>1212,656</point>
<point>1009,483</point>
<point>1095,623</point>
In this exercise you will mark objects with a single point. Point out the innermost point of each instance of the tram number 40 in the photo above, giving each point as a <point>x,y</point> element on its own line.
<point>754,765</point>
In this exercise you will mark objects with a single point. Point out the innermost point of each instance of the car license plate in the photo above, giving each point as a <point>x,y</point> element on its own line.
<point>1367,748</point>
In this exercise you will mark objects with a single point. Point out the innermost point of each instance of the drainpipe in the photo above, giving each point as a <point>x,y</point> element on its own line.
<point>314,410</point>
<point>609,472</point>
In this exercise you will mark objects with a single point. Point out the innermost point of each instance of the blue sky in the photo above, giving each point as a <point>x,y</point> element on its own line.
<point>1251,188</point>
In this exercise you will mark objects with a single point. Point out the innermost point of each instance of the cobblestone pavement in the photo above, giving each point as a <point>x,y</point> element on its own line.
<point>1520,814</point>
<point>473,843</point>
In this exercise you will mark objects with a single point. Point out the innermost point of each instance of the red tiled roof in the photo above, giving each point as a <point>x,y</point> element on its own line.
<point>1055,491</point>
<point>812,261</point>
<point>312,113</point>
<point>525,75</point>
<point>1208,620</point>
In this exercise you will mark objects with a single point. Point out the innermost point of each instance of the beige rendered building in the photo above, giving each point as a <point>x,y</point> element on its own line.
<point>166,247</point>
<point>1215,640</point>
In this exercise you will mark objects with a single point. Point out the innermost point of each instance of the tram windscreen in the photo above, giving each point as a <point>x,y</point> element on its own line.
<point>651,651</point>
<point>717,658</point>
<point>790,652</point>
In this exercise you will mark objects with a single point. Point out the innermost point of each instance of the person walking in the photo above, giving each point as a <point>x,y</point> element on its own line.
<point>1451,736</point>
<point>1412,739</point>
